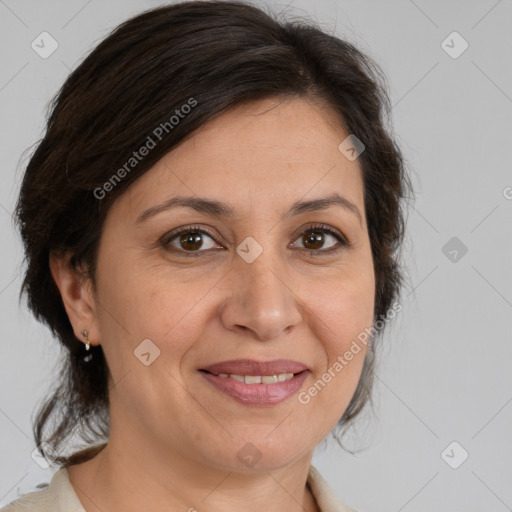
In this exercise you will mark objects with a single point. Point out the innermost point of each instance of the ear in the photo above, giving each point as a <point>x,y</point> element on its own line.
<point>77,295</point>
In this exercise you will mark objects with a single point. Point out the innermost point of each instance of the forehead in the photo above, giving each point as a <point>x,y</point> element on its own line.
<point>262,154</point>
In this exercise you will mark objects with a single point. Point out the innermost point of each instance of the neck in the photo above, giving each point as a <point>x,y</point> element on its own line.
<point>168,482</point>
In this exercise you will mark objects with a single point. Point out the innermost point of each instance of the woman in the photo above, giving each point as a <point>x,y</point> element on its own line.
<point>211,226</point>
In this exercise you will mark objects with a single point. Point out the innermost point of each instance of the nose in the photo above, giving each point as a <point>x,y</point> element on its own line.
<point>263,304</point>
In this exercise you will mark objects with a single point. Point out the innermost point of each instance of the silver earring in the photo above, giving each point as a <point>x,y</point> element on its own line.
<point>85,334</point>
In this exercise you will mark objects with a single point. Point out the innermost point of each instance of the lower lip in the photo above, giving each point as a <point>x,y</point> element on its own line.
<point>257,394</point>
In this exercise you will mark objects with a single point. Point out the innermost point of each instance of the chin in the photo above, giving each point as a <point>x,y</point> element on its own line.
<point>256,454</point>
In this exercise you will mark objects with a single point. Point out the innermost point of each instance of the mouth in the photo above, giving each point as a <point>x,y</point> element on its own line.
<point>256,383</point>
<point>256,379</point>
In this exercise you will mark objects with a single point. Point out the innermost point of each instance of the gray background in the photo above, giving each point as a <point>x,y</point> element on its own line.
<point>445,365</point>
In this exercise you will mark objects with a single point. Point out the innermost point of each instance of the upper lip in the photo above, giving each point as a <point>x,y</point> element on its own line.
<point>253,367</point>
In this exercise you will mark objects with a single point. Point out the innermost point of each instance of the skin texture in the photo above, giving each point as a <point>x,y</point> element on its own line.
<point>174,438</point>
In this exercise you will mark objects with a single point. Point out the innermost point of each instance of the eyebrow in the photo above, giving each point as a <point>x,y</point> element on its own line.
<point>223,210</point>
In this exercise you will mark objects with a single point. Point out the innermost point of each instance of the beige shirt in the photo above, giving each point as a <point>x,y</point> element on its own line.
<point>60,496</point>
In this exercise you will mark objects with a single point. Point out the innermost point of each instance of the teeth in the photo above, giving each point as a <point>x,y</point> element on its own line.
<point>252,379</point>
<point>258,379</point>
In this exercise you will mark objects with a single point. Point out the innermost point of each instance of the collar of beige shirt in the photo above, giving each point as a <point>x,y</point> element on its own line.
<point>60,496</point>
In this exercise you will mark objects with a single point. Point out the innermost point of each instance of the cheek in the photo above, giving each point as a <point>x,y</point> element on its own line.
<point>150,307</point>
<point>143,306</point>
<point>343,309</point>
<point>134,305</point>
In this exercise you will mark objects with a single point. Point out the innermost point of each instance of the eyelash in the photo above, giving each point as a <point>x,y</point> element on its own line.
<point>169,237</point>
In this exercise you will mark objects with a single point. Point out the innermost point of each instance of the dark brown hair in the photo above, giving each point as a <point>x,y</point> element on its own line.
<point>219,55</point>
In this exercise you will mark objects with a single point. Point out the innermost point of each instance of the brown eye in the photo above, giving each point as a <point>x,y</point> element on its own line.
<point>188,240</point>
<point>314,239</point>
<point>191,241</point>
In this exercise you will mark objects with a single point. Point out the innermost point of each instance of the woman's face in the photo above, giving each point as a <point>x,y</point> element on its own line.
<point>249,287</point>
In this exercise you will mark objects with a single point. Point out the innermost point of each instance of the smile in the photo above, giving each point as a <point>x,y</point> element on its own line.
<point>258,379</point>
<point>257,390</point>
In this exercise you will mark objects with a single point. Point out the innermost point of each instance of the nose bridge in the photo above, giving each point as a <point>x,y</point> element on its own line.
<point>262,298</point>
<point>261,274</point>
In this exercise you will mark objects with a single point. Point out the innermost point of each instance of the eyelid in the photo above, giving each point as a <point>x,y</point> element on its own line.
<point>167,237</point>
<point>344,242</point>
<point>326,228</point>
